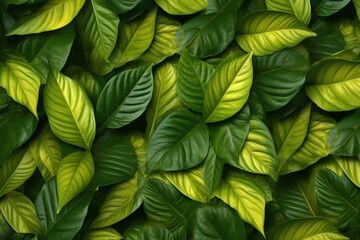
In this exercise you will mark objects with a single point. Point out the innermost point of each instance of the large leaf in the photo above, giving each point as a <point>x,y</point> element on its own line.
<point>267,32</point>
<point>53,15</point>
<point>228,89</point>
<point>333,85</point>
<point>181,141</point>
<point>69,110</point>
<point>351,167</point>
<point>301,9</point>
<point>245,197</point>
<point>16,170</point>
<point>193,77</point>
<point>338,198</point>
<point>74,174</point>
<point>279,77</point>
<point>326,8</point>
<point>124,98</point>
<point>313,228</point>
<point>20,79</point>
<point>180,7</point>
<point>103,234</point>
<point>20,213</point>
<point>165,96</point>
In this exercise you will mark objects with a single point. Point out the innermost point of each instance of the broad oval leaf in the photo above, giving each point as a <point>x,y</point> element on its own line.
<point>124,97</point>
<point>180,141</point>
<point>326,8</point>
<point>54,14</point>
<point>75,173</point>
<point>333,85</point>
<point>69,110</point>
<point>20,79</point>
<point>228,89</point>
<point>181,7</point>
<point>301,9</point>
<point>351,167</point>
<point>103,234</point>
<point>267,32</point>
<point>20,213</point>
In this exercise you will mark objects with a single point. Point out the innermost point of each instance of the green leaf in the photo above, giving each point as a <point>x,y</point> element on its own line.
<point>326,8</point>
<point>103,234</point>
<point>157,233</point>
<point>357,7</point>
<point>351,167</point>
<point>344,138</point>
<point>228,89</point>
<point>20,213</point>
<point>165,96</point>
<point>181,7</point>
<point>134,39</point>
<point>258,155</point>
<point>312,228</point>
<point>212,169</point>
<point>193,77</point>
<point>5,99</point>
<point>338,198</point>
<point>245,197</point>
<point>279,77</point>
<point>181,141</point>
<point>124,98</point>
<point>20,79</point>
<point>123,6</point>
<point>74,174</point>
<point>54,14</point>
<point>300,9</point>
<point>267,32</point>
<point>218,223</point>
<point>69,110</point>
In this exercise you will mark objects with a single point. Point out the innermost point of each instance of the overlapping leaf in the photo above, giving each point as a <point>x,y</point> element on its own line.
<point>301,9</point>
<point>351,167</point>
<point>179,7</point>
<point>123,6</point>
<point>103,234</point>
<point>326,8</point>
<point>212,169</point>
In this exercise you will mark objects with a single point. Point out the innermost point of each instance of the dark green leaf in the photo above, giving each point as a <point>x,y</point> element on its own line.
<point>326,8</point>
<point>123,6</point>
<point>156,233</point>
<point>212,169</point>
<point>5,100</point>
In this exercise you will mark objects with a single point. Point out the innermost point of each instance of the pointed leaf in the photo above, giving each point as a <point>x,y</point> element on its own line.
<point>301,9</point>
<point>20,213</point>
<point>351,167</point>
<point>70,113</point>
<point>124,98</point>
<point>181,141</point>
<point>326,8</point>
<point>181,7</point>
<point>228,89</point>
<point>267,32</point>
<point>212,169</point>
<point>20,79</point>
<point>54,14</point>
<point>74,174</point>
<point>103,234</point>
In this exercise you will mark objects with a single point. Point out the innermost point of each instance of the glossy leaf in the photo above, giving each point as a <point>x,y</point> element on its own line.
<point>301,9</point>
<point>20,213</point>
<point>212,169</point>
<point>123,6</point>
<point>74,174</point>
<point>53,15</point>
<point>178,7</point>
<point>267,32</point>
<point>103,234</point>
<point>228,89</point>
<point>326,8</point>
<point>69,110</point>
<point>351,167</point>
<point>181,141</point>
<point>20,79</point>
<point>124,98</point>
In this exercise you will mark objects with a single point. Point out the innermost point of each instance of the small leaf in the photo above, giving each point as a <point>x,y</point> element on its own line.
<point>103,234</point>
<point>326,8</point>
<point>228,89</point>
<point>20,213</point>
<point>301,9</point>
<point>74,174</point>
<point>267,32</point>
<point>181,7</point>
<point>351,167</point>
<point>70,113</point>
<point>54,14</point>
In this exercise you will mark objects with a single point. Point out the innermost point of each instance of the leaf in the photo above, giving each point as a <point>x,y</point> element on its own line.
<point>124,98</point>
<point>338,198</point>
<point>212,169</point>
<point>350,166</point>
<point>134,39</point>
<point>228,89</point>
<point>301,9</point>
<point>279,77</point>
<point>326,8</point>
<point>123,6</point>
<point>69,110</point>
<point>258,155</point>
<point>193,76</point>
<point>20,79</point>
<point>344,138</point>
<point>156,233</point>
<point>178,7</point>
<point>312,228</point>
<point>103,234</point>
<point>181,141</point>
<point>16,170</point>
<point>54,14</point>
<point>74,174</point>
<point>357,7</point>
<point>245,197</point>
<point>5,99</point>
<point>165,96</point>
<point>267,32</point>
<point>20,213</point>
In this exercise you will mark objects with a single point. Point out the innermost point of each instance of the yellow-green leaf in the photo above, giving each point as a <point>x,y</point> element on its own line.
<point>103,234</point>
<point>301,9</point>
<point>54,14</point>
<point>182,7</point>
<point>228,89</point>
<point>267,32</point>
<point>20,79</point>
<point>351,167</point>
<point>69,110</point>
<point>75,173</point>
